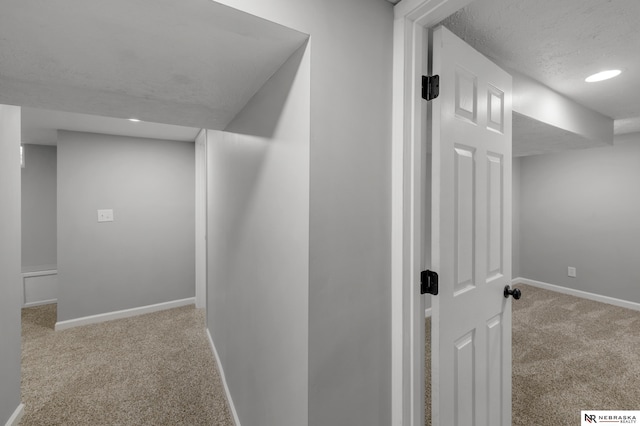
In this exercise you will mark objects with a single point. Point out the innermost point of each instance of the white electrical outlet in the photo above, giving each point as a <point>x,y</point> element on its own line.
<point>571,271</point>
<point>105,215</point>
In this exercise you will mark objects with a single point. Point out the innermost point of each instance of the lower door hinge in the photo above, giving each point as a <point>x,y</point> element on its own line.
<point>429,282</point>
<point>430,87</point>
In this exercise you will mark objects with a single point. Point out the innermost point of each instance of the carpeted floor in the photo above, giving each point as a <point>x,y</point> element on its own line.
<point>154,369</point>
<point>569,354</point>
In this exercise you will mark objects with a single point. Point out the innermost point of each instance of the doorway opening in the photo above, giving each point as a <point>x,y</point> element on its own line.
<point>577,139</point>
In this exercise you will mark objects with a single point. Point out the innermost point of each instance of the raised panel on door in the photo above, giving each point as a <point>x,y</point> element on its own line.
<point>464,212</point>
<point>495,201</point>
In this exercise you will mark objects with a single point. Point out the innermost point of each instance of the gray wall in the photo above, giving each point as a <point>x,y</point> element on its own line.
<point>39,223</point>
<point>258,246</point>
<point>146,256</point>
<point>350,199</point>
<point>350,270</point>
<point>581,208</point>
<point>10,278</point>
<point>515,234</point>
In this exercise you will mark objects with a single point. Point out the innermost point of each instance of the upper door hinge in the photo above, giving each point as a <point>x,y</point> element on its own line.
<point>429,282</point>
<point>430,87</point>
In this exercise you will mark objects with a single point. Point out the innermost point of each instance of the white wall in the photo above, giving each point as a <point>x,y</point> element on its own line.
<point>350,204</point>
<point>10,263</point>
<point>581,208</point>
<point>39,223</point>
<point>258,246</point>
<point>201,218</point>
<point>147,254</point>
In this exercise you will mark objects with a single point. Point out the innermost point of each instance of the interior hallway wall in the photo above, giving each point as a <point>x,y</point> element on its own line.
<point>350,199</point>
<point>258,249</point>
<point>39,207</point>
<point>147,254</point>
<point>10,262</point>
<point>580,208</point>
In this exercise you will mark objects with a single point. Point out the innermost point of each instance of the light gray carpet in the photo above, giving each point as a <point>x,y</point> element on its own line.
<point>154,369</point>
<point>569,354</point>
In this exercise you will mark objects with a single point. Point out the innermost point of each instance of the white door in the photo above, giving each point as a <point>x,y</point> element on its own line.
<point>471,237</point>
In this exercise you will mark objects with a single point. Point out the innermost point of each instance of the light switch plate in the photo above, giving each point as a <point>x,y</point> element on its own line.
<point>105,215</point>
<point>571,271</point>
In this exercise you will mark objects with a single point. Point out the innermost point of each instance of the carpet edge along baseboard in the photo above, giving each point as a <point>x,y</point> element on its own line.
<point>125,313</point>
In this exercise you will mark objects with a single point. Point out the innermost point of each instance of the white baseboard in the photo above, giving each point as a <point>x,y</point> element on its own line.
<point>39,303</point>
<point>14,420</point>
<point>126,313</point>
<point>42,273</point>
<point>232,407</point>
<point>579,293</point>
<point>427,312</point>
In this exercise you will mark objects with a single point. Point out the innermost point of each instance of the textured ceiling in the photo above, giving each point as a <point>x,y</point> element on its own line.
<point>189,62</point>
<point>559,43</point>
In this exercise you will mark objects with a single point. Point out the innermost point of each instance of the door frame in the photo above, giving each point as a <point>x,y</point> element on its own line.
<point>409,119</point>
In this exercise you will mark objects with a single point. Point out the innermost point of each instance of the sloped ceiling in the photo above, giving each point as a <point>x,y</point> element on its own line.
<point>40,127</point>
<point>533,137</point>
<point>192,63</point>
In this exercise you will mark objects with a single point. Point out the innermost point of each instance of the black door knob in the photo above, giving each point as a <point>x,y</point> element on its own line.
<point>515,293</point>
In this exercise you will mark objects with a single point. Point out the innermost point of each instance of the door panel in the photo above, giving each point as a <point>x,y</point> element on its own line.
<point>471,237</point>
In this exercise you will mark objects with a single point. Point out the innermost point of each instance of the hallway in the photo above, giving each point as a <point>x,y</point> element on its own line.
<point>154,369</point>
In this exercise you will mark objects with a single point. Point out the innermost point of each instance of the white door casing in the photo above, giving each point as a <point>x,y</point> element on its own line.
<point>412,18</point>
<point>471,237</point>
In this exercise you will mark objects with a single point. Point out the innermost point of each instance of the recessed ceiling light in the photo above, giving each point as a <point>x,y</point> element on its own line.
<point>135,120</point>
<point>604,75</point>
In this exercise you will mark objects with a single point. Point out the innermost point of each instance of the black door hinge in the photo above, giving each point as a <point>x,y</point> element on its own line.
<point>430,87</point>
<point>429,282</point>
